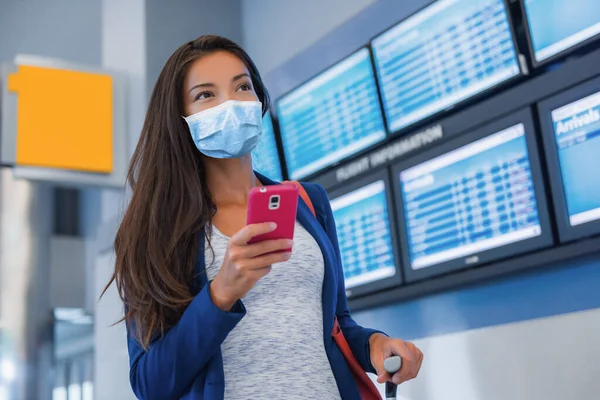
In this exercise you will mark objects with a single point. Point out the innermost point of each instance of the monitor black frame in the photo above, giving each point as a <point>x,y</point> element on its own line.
<point>397,279</point>
<point>523,71</point>
<point>275,122</point>
<point>277,146</point>
<point>545,239</point>
<point>566,232</point>
<point>306,81</point>
<point>274,127</point>
<point>555,57</point>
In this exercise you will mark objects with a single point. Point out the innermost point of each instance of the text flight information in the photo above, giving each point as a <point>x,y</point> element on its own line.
<point>577,133</point>
<point>266,156</point>
<point>331,117</point>
<point>364,235</point>
<point>472,199</point>
<point>558,25</point>
<point>450,51</point>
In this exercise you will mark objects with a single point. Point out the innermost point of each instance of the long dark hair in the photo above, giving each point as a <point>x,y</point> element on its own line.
<point>157,240</point>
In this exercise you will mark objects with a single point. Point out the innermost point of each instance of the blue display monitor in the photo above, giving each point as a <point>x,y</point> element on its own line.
<point>331,117</point>
<point>559,26</point>
<point>571,130</point>
<point>266,156</point>
<point>473,201</point>
<point>441,56</point>
<point>366,234</point>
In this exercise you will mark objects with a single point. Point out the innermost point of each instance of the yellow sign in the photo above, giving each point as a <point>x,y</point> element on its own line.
<point>65,119</point>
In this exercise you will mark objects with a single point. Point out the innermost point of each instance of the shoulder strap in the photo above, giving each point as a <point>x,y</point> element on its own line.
<point>304,195</point>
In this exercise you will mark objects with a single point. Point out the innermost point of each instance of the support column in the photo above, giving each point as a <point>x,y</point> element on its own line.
<point>25,315</point>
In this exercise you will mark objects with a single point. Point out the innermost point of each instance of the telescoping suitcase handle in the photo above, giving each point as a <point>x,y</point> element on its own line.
<point>392,365</point>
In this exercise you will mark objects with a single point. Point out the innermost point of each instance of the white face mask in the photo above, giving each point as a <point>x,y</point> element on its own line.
<point>230,130</point>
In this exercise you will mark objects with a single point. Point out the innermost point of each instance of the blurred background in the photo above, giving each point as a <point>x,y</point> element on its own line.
<point>459,141</point>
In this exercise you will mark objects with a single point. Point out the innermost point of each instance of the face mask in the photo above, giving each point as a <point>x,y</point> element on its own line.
<point>230,130</point>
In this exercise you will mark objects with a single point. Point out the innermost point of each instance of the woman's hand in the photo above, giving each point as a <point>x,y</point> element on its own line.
<point>244,264</point>
<point>383,347</point>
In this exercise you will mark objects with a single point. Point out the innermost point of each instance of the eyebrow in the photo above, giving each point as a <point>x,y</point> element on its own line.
<point>240,76</point>
<point>205,85</point>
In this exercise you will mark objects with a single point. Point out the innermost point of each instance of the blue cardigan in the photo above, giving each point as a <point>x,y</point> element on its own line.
<point>186,363</point>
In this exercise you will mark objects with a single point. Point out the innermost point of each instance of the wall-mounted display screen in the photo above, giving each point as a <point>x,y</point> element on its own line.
<point>577,130</point>
<point>571,128</point>
<point>441,56</point>
<point>366,235</point>
<point>331,117</point>
<point>265,156</point>
<point>474,198</point>
<point>557,26</point>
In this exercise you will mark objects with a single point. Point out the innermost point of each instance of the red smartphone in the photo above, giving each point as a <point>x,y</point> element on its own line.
<point>277,203</point>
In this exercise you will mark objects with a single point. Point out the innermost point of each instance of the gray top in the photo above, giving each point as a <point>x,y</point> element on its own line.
<point>277,351</point>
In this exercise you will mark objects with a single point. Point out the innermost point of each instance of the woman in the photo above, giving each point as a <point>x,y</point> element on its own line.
<point>209,316</point>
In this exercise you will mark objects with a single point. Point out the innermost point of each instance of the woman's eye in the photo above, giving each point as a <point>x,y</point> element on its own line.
<point>245,87</point>
<point>204,95</point>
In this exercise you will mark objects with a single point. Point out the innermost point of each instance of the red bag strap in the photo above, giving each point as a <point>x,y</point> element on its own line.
<point>366,387</point>
<point>304,196</point>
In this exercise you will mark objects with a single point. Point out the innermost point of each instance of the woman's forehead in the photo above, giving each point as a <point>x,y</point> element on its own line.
<point>217,68</point>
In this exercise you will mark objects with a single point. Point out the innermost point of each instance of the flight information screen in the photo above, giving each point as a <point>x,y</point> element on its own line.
<point>558,25</point>
<point>265,156</point>
<point>331,117</point>
<point>364,235</point>
<point>475,198</point>
<point>446,53</point>
<point>577,132</point>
